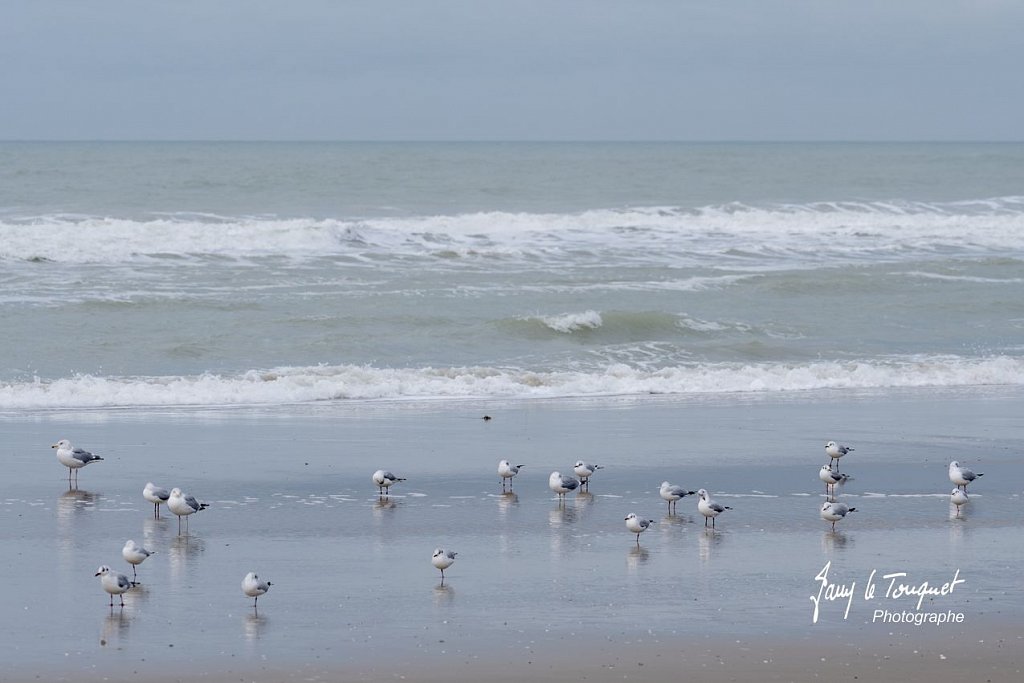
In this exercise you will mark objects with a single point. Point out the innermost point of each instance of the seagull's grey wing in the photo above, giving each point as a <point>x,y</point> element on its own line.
<point>84,455</point>
<point>569,483</point>
<point>192,503</point>
<point>677,491</point>
<point>716,507</point>
<point>123,582</point>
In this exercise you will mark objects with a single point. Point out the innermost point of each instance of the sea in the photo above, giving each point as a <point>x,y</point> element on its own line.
<point>196,274</point>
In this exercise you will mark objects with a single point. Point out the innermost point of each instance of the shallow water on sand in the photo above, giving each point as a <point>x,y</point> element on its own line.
<point>290,498</point>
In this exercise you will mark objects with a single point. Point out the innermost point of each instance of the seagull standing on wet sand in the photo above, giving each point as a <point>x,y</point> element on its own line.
<point>254,587</point>
<point>637,525</point>
<point>442,559</point>
<point>506,471</point>
<point>962,476</point>
<point>709,508</point>
<point>562,484</point>
<point>384,479</point>
<point>831,477</point>
<point>113,583</point>
<point>73,458</point>
<point>833,512</point>
<point>155,495</point>
<point>958,498</point>
<point>672,494</point>
<point>834,451</point>
<point>183,505</point>
<point>584,470</point>
<point>134,555</point>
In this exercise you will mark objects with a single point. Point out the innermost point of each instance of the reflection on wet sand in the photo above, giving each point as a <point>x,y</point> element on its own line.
<point>181,551</point>
<point>834,540</point>
<point>253,625</point>
<point>636,556</point>
<point>443,595</point>
<point>115,626</point>
<point>707,540</point>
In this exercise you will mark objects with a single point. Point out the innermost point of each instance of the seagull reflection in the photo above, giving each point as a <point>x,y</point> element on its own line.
<point>443,595</point>
<point>834,540</point>
<point>182,550</point>
<point>583,499</point>
<point>115,626</point>
<point>562,515</point>
<point>75,502</point>
<point>636,556</point>
<point>706,542</point>
<point>507,500</point>
<point>253,624</point>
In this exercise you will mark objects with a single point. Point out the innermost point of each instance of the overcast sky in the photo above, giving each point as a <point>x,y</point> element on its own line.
<point>512,69</point>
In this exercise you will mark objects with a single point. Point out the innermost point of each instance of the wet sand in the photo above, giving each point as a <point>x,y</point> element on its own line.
<point>540,590</point>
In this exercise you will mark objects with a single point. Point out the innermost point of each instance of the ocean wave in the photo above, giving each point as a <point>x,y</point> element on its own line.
<point>641,235</point>
<point>291,385</point>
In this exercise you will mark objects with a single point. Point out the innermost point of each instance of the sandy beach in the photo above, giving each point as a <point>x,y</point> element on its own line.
<point>537,584</point>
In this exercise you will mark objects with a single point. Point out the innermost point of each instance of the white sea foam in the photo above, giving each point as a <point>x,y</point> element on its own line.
<point>573,322</point>
<point>733,232</point>
<point>346,382</point>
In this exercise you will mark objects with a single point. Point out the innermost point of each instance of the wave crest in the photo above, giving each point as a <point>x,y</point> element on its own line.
<point>289,385</point>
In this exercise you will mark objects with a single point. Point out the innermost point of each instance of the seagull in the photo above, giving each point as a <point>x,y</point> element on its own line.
<point>507,470</point>
<point>672,493</point>
<point>183,505</point>
<point>958,498</point>
<point>637,525</point>
<point>562,485</point>
<point>155,495</point>
<point>584,470</point>
<point>831,477</point>
<point>114,583</point>
<point>383,479</point>
<point>962,476</point>
<point>134,555</point>
<point>834,451</point>
<point>442,559</point>
<point>73,458</point>
<point>254,587</point>
<point>833,512</point>
<point>709,508</point>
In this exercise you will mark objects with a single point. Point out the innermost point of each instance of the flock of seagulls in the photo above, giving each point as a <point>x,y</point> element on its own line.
<point>177,501</point>
<point>184,505</point>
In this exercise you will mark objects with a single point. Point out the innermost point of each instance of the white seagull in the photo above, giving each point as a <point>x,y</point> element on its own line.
<point>831,477</point>
<point>562,484</point>
<point>183,505</point>
<point>254,587</point>
<point>134,555</point>
<point>834,451</point>
<point>962,476</point>
<point>584,470</point>
<point>442,559</point>
<point>833,512</point>
<point>637,525</point>
<point>114,583</point>
<point>73,458</point>
<point>672,493</point>
<point>709,508</point>
<point>507,470</point>
<point>384,479</point>
<point>155,495</point>
<point>958,498</point>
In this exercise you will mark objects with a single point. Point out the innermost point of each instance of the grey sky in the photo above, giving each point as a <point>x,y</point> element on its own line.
<point>512,69</point>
